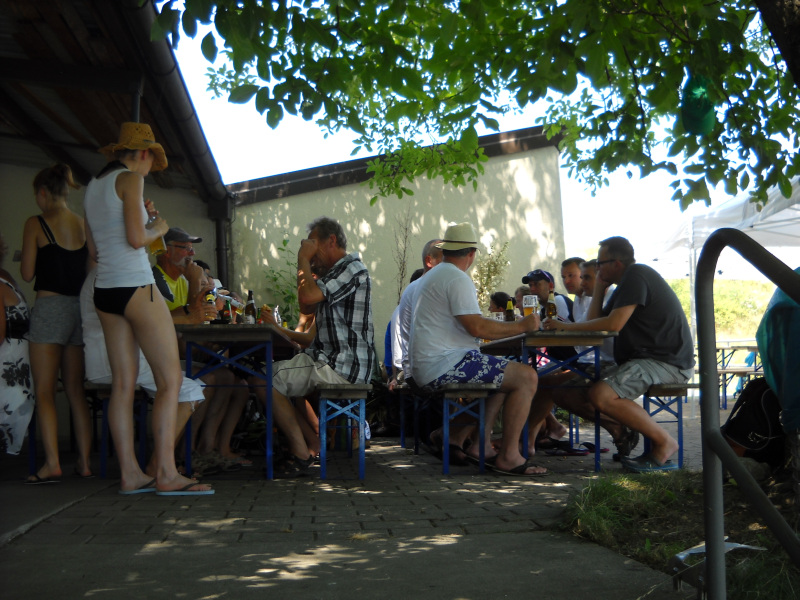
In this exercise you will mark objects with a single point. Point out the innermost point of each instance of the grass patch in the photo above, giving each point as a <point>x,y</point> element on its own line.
<point>652,517</point>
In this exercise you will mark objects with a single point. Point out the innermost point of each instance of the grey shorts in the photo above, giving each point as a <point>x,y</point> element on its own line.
<point>56,320</point>
<point>633,378</point>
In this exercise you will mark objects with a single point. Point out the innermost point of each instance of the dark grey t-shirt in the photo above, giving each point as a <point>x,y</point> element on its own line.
<point>658,328</point>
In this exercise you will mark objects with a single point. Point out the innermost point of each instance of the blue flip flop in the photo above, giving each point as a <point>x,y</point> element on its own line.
<point>185,491</point>
<point>646,464</point>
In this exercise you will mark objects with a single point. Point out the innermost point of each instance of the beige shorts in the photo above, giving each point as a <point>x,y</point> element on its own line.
<point>301,375</point>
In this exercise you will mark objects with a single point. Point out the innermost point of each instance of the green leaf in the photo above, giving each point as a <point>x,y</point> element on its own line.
<point>263,100</point>
<point>242,93</point>
<point>209,47</point>
<point>785,186</point>
<point>469,139</point>
<point>189,24</point>
<point>274,116</point>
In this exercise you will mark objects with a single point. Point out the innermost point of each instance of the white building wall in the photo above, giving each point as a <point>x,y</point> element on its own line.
<point>518,199</point>
<point>180,208</point>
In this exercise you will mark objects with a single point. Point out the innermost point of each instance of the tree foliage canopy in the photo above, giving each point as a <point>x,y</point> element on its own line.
<point>413,79</point>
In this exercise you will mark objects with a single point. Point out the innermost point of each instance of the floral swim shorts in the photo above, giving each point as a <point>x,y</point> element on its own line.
<point>473,368</point>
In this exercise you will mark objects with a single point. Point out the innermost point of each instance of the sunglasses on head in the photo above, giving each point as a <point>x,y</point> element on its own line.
<point>540,273</point>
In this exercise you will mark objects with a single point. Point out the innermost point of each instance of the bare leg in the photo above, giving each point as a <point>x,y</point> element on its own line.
<point>633,416</point>
<point>519,387</point>
<point>72,374</point>
<point>215,413</point>
<point>286,419</point>
<point>309,424</point>
<point>45,361</point>
<point>152,326</point>
<point>185,410</point>
<point>555,429</point>
<point>236,407</point>
<point>123,356</point>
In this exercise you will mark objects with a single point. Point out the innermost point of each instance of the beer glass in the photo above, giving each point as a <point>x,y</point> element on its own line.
<point>529,305</point>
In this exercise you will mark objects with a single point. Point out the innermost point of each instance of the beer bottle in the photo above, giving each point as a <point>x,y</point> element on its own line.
<point>550,311</point>
<point>510,311</point>
<point>226,312</point>
<point>250,309</point>
<point>210,299</point>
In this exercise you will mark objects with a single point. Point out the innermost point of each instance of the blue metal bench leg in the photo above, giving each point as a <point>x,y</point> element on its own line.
<point>346,412</point>
<point>447,418</point>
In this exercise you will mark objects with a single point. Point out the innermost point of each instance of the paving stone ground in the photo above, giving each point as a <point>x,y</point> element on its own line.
<point>406,530</point>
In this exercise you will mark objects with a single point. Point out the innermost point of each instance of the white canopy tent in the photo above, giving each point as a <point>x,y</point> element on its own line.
<point>776,227</point>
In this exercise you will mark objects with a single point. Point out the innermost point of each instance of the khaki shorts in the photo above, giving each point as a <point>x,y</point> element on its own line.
<point>633,378</point>
<point>301,375</point>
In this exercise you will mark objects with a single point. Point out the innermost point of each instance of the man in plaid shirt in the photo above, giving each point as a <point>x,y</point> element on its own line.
<point>343,349</point>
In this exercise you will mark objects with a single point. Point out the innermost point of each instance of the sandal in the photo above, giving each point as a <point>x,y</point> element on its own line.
<point>627,441</point>
<point>548,443</point>
<point>293,467</point>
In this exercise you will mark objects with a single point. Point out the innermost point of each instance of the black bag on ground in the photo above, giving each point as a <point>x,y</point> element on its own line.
<point>754,424</point>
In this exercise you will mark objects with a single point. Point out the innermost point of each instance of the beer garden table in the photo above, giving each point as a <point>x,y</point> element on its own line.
<point>241,342</point>
<point>540,341</point>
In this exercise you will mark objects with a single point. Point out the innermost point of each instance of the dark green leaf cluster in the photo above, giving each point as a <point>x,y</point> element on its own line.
<point>402,74</point>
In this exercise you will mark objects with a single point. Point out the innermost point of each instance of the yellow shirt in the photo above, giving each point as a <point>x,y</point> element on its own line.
<point>175,291</point>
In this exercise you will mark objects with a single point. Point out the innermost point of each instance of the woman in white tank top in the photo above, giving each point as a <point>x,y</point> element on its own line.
<point>131,312</point>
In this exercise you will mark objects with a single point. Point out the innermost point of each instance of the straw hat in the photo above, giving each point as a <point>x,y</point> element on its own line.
<point>138,136</point>
<point>458,237</point>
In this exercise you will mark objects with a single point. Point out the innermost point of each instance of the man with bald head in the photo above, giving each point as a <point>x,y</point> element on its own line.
<point>401,318</point>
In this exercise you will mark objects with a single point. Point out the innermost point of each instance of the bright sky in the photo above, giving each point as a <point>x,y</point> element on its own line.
<point>639,209</point>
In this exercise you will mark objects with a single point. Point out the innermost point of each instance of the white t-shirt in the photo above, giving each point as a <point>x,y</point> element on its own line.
<point>580,311</point>
<point>98,369</point>
<point>438,341</point>
<point>401,328</point>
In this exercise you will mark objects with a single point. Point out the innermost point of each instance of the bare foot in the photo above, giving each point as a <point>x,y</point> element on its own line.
<point>239,459</point>
<point>47,473</point>
<point>181,482</point>
<point>523,468</point>
<point>661,453</point>
<point>140,481</point>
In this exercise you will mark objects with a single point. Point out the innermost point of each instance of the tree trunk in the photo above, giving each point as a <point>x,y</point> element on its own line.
<point>782,18</point>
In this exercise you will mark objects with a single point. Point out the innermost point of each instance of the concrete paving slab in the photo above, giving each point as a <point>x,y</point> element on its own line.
<point>405,531</point>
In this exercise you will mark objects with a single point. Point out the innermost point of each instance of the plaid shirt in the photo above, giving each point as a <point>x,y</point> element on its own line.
<point>344,321</point>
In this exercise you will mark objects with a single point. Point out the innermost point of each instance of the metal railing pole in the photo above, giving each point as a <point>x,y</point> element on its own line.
<point>716,450</point>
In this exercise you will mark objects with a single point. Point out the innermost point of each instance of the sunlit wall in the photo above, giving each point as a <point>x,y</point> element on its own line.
<point>518,199</point>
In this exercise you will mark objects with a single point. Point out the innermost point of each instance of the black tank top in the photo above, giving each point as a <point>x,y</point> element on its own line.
<point>57,269</point>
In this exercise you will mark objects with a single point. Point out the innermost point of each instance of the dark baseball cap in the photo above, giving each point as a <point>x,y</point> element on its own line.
<point>176,234</point>
<point>538,275</point>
